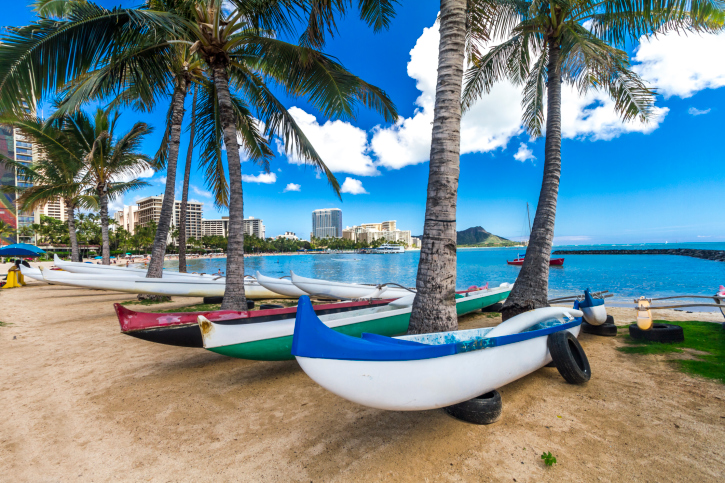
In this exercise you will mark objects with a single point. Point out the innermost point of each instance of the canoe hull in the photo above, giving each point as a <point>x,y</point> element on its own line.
<point>341,290</point>
<point>428,383</point>
<point>596,315</point>
<point>274,340</point>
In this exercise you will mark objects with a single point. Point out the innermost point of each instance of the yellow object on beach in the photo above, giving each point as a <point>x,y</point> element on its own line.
<point>15,279</point>
<point>644,315</point>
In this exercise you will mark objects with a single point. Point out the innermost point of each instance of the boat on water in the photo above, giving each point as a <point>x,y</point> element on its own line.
<point>182,328</point>
<point>519,260</point>
<point>273,341</point>
<point>388,249</point>
<point>427,371</point>
<point>340,290</point>
<point>178,287</point>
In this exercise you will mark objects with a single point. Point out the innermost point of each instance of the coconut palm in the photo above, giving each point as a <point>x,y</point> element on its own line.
<point>109,160</point>
<point>185,188</point>
<point>575,42</point>
<point>241,49</point>
<point>56,174</point>
<point>434,308</point>
<point>6,231</point>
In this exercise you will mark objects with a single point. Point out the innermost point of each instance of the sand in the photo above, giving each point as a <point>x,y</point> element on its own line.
<point>82,402</point>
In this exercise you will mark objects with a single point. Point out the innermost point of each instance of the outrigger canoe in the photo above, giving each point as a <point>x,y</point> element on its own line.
<point>282,286</point>
<point>182,328</point>
<point>339,290</point>
<point>158,286</point>
<point>426,371</point>
<point>114,270</point>
<point>273,341</point>
<point>593,308</point>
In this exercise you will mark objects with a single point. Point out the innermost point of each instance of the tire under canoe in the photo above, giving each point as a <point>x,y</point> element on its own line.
<point>484,409</point>
<point>665,333</point>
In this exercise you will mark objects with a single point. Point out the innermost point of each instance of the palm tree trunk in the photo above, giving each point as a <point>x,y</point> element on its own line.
<point>75,255</point>
<point>532,285</point>
<point>185,189</point>
<point>234,296</point>
<point>156,264</point>
<point>434,308</point>
<point>106,244</point>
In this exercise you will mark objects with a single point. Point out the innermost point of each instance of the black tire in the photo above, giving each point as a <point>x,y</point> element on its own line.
<point>569,357</point>
<point>218,300</point>
<point>550,364</point>
<point>484,409</point>
<point>607,329</point>
<point>493,308</point>
<point>666,333</point>
<point>270,306</point>
<point>610,320</point>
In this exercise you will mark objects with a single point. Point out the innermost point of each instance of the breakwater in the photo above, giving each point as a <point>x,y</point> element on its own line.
<point>717,255</point>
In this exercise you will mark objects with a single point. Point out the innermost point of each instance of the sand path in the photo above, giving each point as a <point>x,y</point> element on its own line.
<point>82,402</point>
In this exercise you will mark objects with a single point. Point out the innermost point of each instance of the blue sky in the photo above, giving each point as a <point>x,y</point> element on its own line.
<point>620,183</point>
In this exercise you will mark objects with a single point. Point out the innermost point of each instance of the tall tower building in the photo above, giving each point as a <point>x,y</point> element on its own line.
<point>327,223</point>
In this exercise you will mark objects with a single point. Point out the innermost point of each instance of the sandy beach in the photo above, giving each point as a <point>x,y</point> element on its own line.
<point>83,402</point>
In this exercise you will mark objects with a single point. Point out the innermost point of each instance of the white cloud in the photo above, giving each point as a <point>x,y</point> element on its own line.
<point>524,154</point>
<point>200,192</point>
<point>592,115</point>
<point>697,112</point>
<point>488,125</point>
<point>195,201</point>
<point>292,187</point>
<point>161,180</point>
<point>264,178</point>
<point>342,146</point>
<point>681,65</point>
<point>146,173</point>
<point>353,186</point>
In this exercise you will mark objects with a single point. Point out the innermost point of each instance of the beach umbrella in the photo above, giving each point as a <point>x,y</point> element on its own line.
<point>21,250</point>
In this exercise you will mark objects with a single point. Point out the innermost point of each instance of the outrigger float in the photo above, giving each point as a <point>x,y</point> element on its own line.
<point>428,371</point>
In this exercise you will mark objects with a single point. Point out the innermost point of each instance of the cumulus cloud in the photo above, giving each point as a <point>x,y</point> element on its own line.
<point>200,192</point>
<point>161,180</point>
<point>353,186</point>
<point>524,154</point>
<point>681,65</point>
<point>292,187</point>
<point>697,112</point>
<point>264,178</point>
<point>342,146</point>
<point>146,173</point>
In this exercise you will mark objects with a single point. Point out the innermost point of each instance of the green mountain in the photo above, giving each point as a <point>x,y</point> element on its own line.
<point>477,236</point>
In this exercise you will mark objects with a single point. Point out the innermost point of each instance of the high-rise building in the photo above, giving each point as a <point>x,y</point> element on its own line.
<point>250,226</point>
<point>15,146</point>
<point>149,209</point>
<point>369,232</point>
<point>327,223</point>
<point>253,226</point>
<point>54,209</point>
<point>127,218</point>
<point>215,227</point>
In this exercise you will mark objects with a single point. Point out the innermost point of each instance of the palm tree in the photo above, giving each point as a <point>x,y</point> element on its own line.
<point>185,188</point>
<point>577,42</point>
<point>107,160</point>
<point>57,174</point>
<point>434,308</point>
<point>6,231</point>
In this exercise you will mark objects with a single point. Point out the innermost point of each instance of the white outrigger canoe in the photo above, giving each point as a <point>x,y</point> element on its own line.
<point>34,273</point>
<point>273,340</point>
<point>339,290</point>
<point>427,371</point>
<point>281,286</point>
<point>595,313</point>
<point>95,269</point>
<point>157,286</point>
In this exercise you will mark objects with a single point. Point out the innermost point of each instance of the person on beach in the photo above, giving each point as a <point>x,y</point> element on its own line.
<point>220,273</point>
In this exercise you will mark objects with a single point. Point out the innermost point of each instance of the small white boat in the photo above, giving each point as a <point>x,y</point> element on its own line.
<point>594,311</point>
<point>157,286</point>
<point>428,371</point>
<point>339,290</point>
<point>281,286</point>
<point>34,273</point>
<point>388,249</point>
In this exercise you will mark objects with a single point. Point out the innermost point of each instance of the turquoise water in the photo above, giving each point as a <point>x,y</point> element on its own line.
<point>625,276</point>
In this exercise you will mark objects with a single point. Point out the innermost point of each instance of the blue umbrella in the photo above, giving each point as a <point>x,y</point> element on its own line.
<point>21,250</point>
<point>100,258</point>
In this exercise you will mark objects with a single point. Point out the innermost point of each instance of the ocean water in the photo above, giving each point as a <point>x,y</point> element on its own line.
<point>625,276</point>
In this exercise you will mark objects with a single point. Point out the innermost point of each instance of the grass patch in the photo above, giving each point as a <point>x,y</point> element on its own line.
<point>701,336</point>
<point>5,324</point>
<point>492,315</point>
<point>145,302</point>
